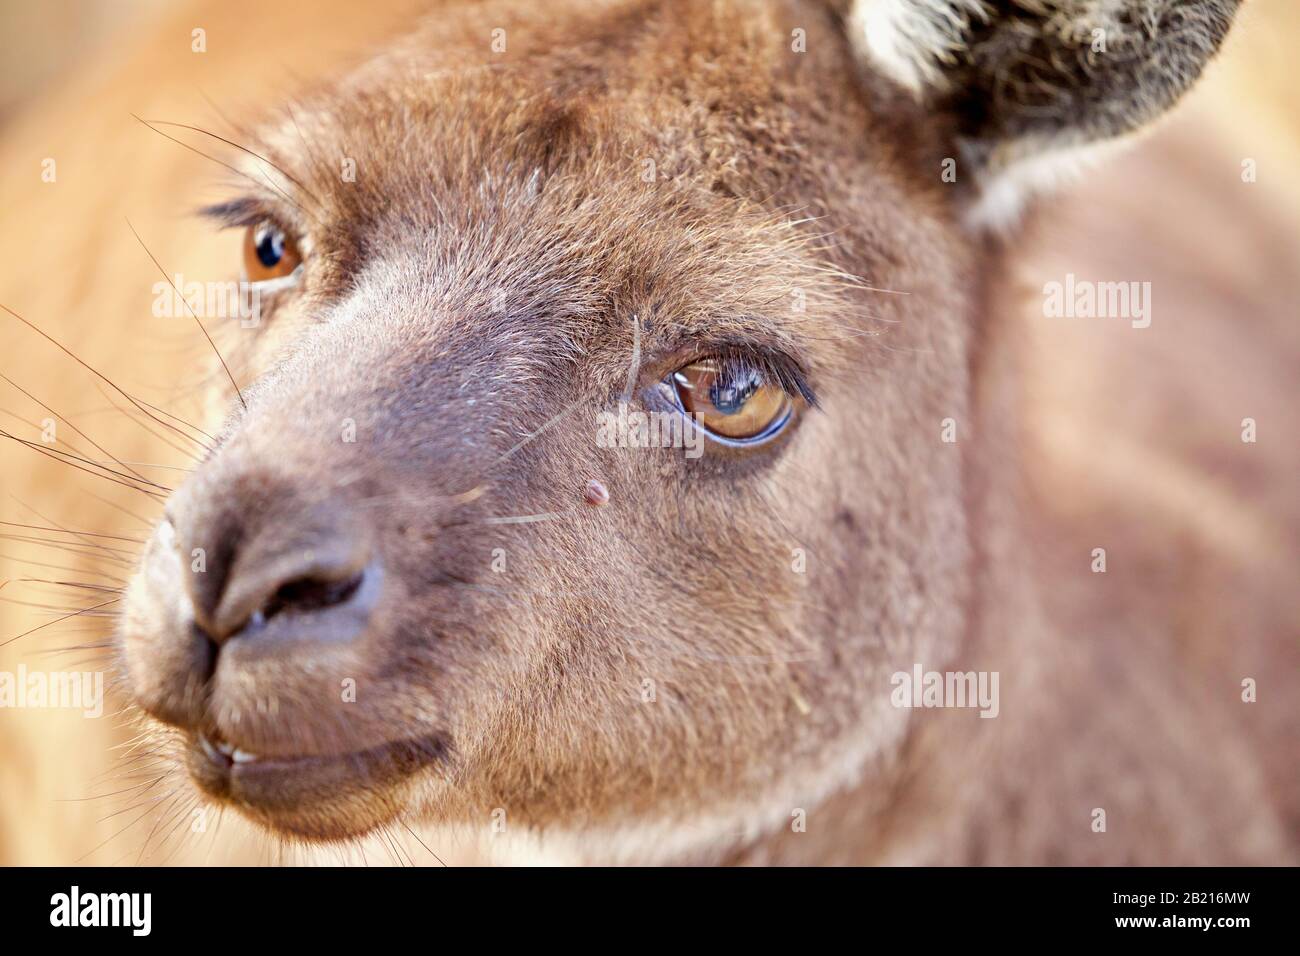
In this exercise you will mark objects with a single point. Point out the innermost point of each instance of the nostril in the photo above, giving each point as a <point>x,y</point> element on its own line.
<point>314,556</point>
<point>296,582</point>
<point>310,594</point>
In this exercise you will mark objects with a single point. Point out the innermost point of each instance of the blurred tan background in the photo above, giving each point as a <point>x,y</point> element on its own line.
<point>71,75</point>
<point>74,73</point>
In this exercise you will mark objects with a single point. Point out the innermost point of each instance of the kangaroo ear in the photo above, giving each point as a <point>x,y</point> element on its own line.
<point>1036,86</point>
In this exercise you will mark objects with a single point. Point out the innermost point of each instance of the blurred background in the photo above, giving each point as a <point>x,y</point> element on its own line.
<point>73,71</point>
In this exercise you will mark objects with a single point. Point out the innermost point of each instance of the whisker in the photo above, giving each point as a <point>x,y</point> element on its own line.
<point>134,806</point>
<point>132,415</point>
<point>61,567</point>
<point>62,457</point>
<point>116,507</point>
<point>163,272</point>
<point>421,842</point>
<point>56,621</point>
<point>527,519</point>
<point>72,584</point>
<point>71,547</point>
<point>243,149</point>
<point>234,169</point>
<point>51,608</point>
<point>82,535</point>
<point>91,534</point>
<point>92,441</point>
<point>49,338</point>
<point>102,796</point>
<point>534,435</point>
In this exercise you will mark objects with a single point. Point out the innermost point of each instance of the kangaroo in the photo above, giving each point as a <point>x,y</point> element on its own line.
<point>630,418</point>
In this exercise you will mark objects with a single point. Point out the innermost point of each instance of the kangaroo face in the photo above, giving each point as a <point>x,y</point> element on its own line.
<point>589,461</point>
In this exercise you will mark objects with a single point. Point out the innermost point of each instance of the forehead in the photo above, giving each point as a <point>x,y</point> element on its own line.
<point>678,166</point>
<point>483,100</point>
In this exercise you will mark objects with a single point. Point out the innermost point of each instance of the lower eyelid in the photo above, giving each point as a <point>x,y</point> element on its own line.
<point>265,286</point>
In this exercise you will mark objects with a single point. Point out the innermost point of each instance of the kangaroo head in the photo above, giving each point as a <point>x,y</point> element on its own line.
<point>589,465</point>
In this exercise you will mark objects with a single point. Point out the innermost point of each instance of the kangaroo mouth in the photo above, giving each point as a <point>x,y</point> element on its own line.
<point>324,796</point>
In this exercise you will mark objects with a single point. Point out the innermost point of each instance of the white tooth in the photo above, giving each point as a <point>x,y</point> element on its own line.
<point>242,756</point>
<point>207,747</point>
<point>226,748</point>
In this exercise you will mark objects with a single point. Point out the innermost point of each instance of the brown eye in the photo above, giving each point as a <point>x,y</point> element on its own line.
<point>269,253</point>
<point>735,404</point>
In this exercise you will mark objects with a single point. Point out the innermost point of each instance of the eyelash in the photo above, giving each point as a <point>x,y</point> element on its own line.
<point>774,367</point>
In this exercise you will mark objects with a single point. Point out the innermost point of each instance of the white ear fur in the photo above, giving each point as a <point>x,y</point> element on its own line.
<point>911,40</point>
<point>1006,189</point>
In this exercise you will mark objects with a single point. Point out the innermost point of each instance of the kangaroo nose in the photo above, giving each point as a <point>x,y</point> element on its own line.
<point>264,560</point>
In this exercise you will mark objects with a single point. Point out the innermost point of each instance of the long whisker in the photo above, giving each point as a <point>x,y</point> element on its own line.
<point>73,584</point>
<point>243,149</point>
<point>61,456</point>
<point>92,441</point>
<point>163,272</point>
<point>65,617</point>
<point>234,169</point>
<point>422,843</point>
<point>99,464</point>
<point>94,371</point>
<point>116,507</point>
<point>73,547</point>
<point>60,567</point>
<point>133,415</point>
<point>88,534</point>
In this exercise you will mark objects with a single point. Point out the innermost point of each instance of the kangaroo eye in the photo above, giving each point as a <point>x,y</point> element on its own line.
<point>269,253</point>
<point>735,404</point>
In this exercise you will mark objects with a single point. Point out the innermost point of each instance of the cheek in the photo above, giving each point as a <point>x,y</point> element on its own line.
<point>251,345</point>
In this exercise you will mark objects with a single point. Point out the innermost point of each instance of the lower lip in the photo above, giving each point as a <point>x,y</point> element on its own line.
<point>270,783</point>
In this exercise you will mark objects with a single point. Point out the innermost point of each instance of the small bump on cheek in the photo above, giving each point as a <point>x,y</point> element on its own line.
<point>596,494</point>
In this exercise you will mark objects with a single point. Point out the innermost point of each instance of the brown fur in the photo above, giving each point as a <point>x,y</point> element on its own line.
<point>483,276</point>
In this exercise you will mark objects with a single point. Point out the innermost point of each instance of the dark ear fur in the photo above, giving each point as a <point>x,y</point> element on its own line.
<point>1034,83</point>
